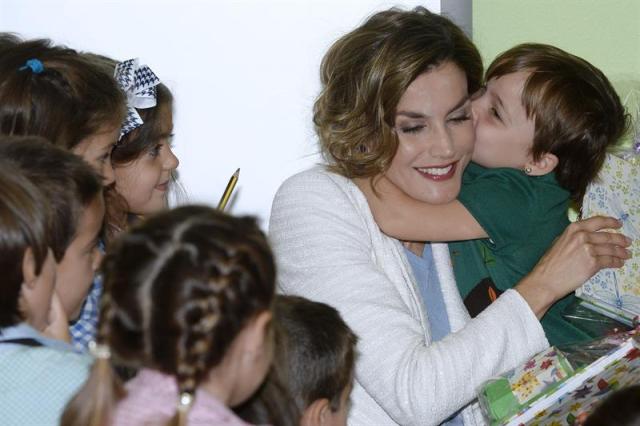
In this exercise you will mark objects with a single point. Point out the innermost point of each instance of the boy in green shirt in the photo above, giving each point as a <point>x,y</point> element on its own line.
<point>543,124</point>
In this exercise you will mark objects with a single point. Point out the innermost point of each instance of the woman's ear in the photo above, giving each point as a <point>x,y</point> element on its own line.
<point>540,167</point>
<point>317,413</point>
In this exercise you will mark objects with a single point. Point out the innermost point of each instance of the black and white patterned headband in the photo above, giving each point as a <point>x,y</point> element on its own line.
<point>139,83</point>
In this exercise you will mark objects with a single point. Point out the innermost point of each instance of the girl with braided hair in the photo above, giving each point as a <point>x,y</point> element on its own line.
<point>187,301</point>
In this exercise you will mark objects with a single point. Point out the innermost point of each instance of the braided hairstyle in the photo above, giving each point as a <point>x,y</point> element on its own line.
<point>178,290</point>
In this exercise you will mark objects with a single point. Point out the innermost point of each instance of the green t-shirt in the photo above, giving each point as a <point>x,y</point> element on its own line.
<point>522,215</point>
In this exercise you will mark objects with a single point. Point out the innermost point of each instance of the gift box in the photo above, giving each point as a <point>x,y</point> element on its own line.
<point>506,395</point>
<point>616,193</point>
<point>561,402</point>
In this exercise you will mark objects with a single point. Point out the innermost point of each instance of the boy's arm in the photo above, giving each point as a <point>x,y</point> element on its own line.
<point>407,219</point>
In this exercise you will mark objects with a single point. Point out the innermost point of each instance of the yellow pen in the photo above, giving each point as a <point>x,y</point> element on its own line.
<point>228,190</point>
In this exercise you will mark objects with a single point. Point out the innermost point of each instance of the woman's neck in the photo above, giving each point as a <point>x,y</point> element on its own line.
<point>414,247</point>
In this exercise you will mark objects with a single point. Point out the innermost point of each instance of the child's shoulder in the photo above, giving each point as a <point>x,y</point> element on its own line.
<point>46,361</point>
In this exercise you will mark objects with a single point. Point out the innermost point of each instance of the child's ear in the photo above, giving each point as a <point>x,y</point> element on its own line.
<point>545,164</point>
<point>317,413</point>
<point>29,276</point>
<point>29,282</point>
<point>258,337</point>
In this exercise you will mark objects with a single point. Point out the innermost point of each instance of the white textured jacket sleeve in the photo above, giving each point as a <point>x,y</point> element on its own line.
<point>329,249</point>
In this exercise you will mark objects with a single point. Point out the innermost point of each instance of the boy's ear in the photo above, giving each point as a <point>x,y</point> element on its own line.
<point>317,413</point>
<point>545,164</point>
<point>29,276</point>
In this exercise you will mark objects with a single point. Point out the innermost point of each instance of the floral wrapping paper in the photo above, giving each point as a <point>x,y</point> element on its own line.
<point>537,374</point>
<point>581,393</point>
<point>616,192</point>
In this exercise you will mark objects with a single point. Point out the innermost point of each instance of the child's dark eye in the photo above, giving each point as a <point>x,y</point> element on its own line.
<point>155,151</point>
<point>494,113</point>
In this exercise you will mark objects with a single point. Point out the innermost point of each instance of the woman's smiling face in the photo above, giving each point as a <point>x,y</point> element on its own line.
<point>435,135</point>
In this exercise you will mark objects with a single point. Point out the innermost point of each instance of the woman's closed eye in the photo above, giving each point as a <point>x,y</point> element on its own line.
<point>461,118</point>
<point>412,128</point>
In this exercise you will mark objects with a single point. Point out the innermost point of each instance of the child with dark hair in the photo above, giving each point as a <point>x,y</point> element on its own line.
<point>311,378</point>
<point>54,92</point>
<point>621,408</point>
<point>143,164</point>
<point>543,125</point>
<point>187,301</point>
<point>39,372</point>
<point>73,191</point>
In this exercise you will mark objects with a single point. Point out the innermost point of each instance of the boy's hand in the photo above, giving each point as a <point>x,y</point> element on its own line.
<point>58,326</point>
<point>577,254</point>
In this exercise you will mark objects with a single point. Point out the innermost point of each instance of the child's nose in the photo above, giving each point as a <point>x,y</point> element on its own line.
<point>171,161</point>
<point>97,259</point>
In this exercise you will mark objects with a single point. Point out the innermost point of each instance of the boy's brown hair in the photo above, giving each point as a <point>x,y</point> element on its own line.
<point>576,111</point>
<point>67,183</point>
<point>24,222</point>
<point>315,359</point>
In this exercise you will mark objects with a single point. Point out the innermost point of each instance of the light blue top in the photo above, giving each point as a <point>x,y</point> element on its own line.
<point>37,382</point>
<point>428,282</point>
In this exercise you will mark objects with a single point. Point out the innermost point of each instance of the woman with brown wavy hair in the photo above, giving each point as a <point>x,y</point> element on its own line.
<point>395,101</point>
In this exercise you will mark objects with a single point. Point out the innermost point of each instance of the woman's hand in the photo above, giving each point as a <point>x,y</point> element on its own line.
<point>576,255</point>
<point>58,324</point>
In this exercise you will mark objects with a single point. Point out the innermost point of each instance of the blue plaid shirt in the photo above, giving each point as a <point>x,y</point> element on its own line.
<point>84,329</point>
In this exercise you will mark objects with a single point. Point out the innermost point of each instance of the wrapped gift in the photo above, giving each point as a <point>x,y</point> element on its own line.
<point>563,401</point>
<point>506,395</point>
<point>616,193</point>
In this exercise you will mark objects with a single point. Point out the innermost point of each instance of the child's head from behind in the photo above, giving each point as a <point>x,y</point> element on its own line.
<point>188,293</point>
<point>313,368</point>
<point>73,192</point>
<point>621,408</point>
<point>53,92</point>
<point>25,259</point>
<point>547,110</point>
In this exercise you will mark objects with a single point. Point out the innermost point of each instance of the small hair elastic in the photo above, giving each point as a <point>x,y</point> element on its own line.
<point>99,350</point>
<point>34,65</point>
<point>185,401</point>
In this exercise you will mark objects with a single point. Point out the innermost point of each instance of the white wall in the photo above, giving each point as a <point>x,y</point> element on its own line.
<point>244,74</point>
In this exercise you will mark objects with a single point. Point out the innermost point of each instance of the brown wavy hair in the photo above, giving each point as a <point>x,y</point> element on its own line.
<point>65,103</point>
<point>178,290</point>
<point>365,73</point>
<point>577,113</point>
<point>24,223</point>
